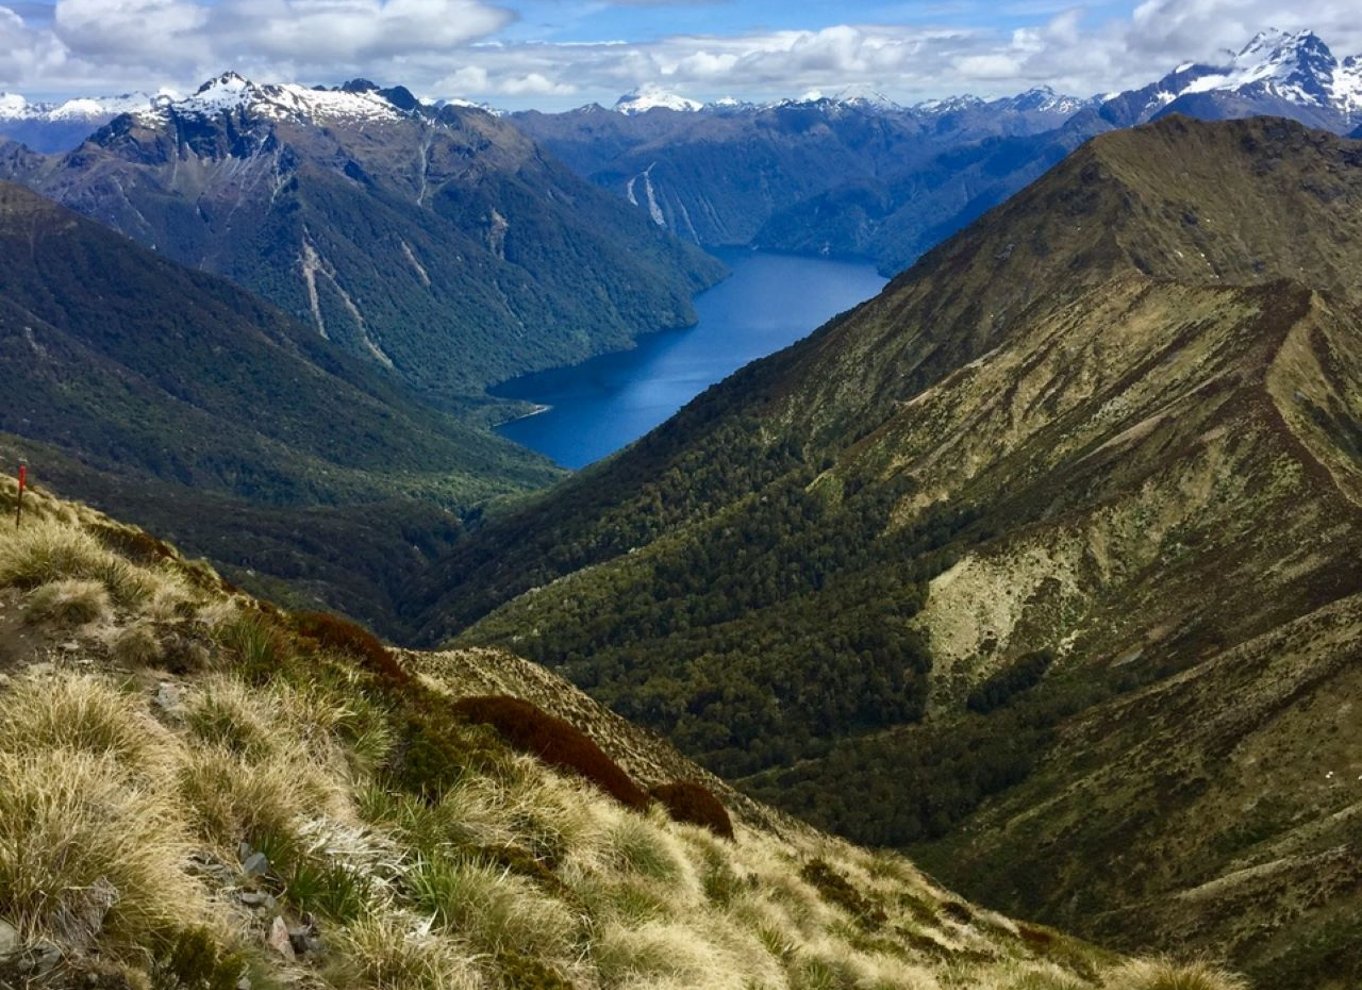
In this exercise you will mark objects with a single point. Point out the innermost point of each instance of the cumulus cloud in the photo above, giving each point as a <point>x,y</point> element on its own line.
<point>457,48</point>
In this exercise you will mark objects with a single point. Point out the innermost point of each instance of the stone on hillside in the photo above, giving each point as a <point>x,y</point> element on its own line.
<point>256,864</point>
<point>10,943</point>
<point>278,938</point>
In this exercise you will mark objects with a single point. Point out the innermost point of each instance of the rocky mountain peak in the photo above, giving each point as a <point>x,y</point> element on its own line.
<point>233,94</point>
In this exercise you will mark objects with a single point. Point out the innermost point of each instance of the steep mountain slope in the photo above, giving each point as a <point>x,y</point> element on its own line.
<point>180,399</point>
<point>716,175</point>
<point>1043,557</point>
<point>441,245</point>
<point>197,790</point>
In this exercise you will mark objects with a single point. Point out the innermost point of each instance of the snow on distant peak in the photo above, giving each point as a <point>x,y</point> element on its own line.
<point>1347,85</point>
<point>12,106</point>
<point>231,92</point>
<point>949,104</point>
<point>1043,99</point>
<point>78,110</point>
<point>1294,66</point>
<point>653,97</point>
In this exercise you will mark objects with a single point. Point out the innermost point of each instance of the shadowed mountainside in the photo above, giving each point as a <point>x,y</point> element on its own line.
<point>181,400</point>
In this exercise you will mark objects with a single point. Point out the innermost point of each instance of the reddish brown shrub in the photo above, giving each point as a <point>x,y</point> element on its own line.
<point>687,801</point>
<point>341,634</point>
<point>137,546</point>
<point>557,742</point>
<point>1036,936</point>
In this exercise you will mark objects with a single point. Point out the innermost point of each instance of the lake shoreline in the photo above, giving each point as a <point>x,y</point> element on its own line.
<point>589,410</point>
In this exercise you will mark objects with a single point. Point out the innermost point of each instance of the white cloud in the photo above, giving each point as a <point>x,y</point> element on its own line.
<point>449,48</point>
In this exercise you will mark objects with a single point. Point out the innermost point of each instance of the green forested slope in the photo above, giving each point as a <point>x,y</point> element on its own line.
<point>1114,423</point>
<point>179,398</point>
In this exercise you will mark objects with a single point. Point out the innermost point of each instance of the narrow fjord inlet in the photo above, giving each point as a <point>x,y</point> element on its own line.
<point>599,406</point>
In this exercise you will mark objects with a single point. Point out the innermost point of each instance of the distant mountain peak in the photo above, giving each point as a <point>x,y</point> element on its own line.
<point>89,109</point>
<point>231,92</point>
<point>1275,71</point>
<point>650,96</point>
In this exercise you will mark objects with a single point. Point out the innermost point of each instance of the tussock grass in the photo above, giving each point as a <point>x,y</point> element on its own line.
<point>398,952</point>
<point>135,645</point>
<point>85,853</point>
<point>1160,974</point>
<point>81,714</point>
<point>662,954</point>
<point>232,799</point>
<point>47,550</point>
<point>1043,978</point>
<point>491,908</point>
<point>70,602</point>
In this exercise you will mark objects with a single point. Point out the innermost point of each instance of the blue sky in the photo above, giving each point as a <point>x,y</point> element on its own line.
<point>555,54</point>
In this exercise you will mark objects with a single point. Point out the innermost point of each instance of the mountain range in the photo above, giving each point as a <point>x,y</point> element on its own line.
<point>439,244</point>
<point>1041,563</point>
<point>860,176</point>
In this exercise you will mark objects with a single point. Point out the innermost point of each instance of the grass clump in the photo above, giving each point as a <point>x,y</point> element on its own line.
<point>492,908</point>
<point>47,550</point>
<point>1162,974</point>
<point>196,960</point>
<point>396,952</point>
<point>85,715</point>
<point>70,602</point>
<point>86,854</point>
<point>135,645</point>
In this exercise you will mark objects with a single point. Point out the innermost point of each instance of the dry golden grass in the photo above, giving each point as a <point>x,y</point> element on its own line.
<point>397,952</point>
<point>512,869</point>
<point>73,827</point>
<point>82,714</point>
<point>1162,974</point>
<point>69,602</point>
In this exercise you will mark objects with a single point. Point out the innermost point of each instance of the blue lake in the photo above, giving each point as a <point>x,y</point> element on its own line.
<point>599,406</point>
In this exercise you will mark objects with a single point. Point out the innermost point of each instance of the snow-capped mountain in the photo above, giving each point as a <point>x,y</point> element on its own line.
<point>230,93</point>
<point>1043,99</point>
<point>653,97</point>
<point>57,126</point>
<point>13,106</point>
<point>1292,74</point>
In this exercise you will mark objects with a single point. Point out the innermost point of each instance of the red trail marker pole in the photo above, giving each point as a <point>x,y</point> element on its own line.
<point>19,505</point>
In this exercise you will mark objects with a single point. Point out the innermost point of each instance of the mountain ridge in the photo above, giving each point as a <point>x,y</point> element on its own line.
<point>1028,486</point>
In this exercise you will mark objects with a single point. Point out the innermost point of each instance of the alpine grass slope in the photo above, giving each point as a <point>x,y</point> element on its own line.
<point>198,791</point>
<point>1042,563</point>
